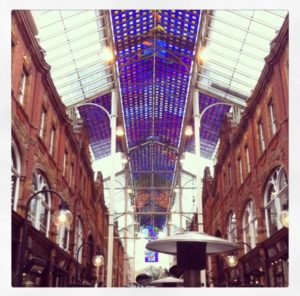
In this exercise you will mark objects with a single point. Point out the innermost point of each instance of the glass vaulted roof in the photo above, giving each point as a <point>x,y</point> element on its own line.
<point>161,56</point>
<point>73,41</point>
<point>236,43</point>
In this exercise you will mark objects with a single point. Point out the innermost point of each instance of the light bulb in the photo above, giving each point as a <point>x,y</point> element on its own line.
<point>62,217</point>
<point>120,131</point>
<point>231,260</point>
<point>98,260</point>
<point>284,218</point>
<point>188,130</point>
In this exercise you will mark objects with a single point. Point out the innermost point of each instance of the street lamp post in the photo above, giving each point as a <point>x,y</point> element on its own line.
<point>197,124</point>
<point>232,260</point>
<point>113,125</point>
<point>191,249</point>
<point>98,260</point>
<point>61,218</point>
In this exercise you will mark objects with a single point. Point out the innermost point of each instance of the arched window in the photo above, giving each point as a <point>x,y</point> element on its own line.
<point>15,175</point>
<point>39,211</point>
<point>276,199</point>
<point>78,239</point>
<point>249,225</point>
<point>63,236</point>
<point>232,231</point>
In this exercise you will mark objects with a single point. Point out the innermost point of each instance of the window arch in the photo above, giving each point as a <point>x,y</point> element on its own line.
<point>276,199</point>
<point>78,239</point>
<point>232,231</point>
<point>40,206</point>
<point>249,225</point>
<point>15,175</point>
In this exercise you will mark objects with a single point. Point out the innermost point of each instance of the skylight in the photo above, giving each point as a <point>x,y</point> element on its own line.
<point>73,41</point>
<point>236,42</point>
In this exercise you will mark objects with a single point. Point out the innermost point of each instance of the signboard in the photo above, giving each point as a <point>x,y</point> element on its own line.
<point>151,256</point>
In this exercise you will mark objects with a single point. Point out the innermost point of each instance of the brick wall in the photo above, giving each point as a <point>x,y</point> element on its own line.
<point>76,181</point>
<point>223,194</point>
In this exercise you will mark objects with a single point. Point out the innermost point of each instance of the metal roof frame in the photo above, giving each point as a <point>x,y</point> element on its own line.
<point>152,107</point>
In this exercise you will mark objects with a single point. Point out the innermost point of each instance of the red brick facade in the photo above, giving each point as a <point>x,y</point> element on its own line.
<point>56,147</point>
<point>225,191</point>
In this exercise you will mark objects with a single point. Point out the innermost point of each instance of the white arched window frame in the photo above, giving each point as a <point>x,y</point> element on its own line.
<point>40,206</point>
<point>15,175</point>
<point>232,231</point>
<point>63,237</point>
<point>276,199</point>
<point>249,226</point>
<point>78,239</point>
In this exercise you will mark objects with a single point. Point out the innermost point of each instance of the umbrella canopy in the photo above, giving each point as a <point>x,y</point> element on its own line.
<point>214,245</point>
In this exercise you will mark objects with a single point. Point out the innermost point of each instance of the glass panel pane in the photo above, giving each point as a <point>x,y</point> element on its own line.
<point>272,214</point>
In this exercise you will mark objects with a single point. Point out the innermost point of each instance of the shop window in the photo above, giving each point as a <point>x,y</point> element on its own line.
<point>232,231</point>
<point>78,240</point>
<point>15,175</point>
<point>278,273</point>
<point>249,226</point>
<point>276,199</point>
<point>40,206</point>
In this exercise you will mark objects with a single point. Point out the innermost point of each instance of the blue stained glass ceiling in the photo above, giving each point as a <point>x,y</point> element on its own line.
<point>155,50</point>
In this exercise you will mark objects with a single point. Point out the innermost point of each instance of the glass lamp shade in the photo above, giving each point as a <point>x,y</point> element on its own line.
<point>120,131</point>
<point>62,217</point>
<point>188,130</point>
<point>284,218</point>
<point>231,260</point>
<point>98,260</point>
